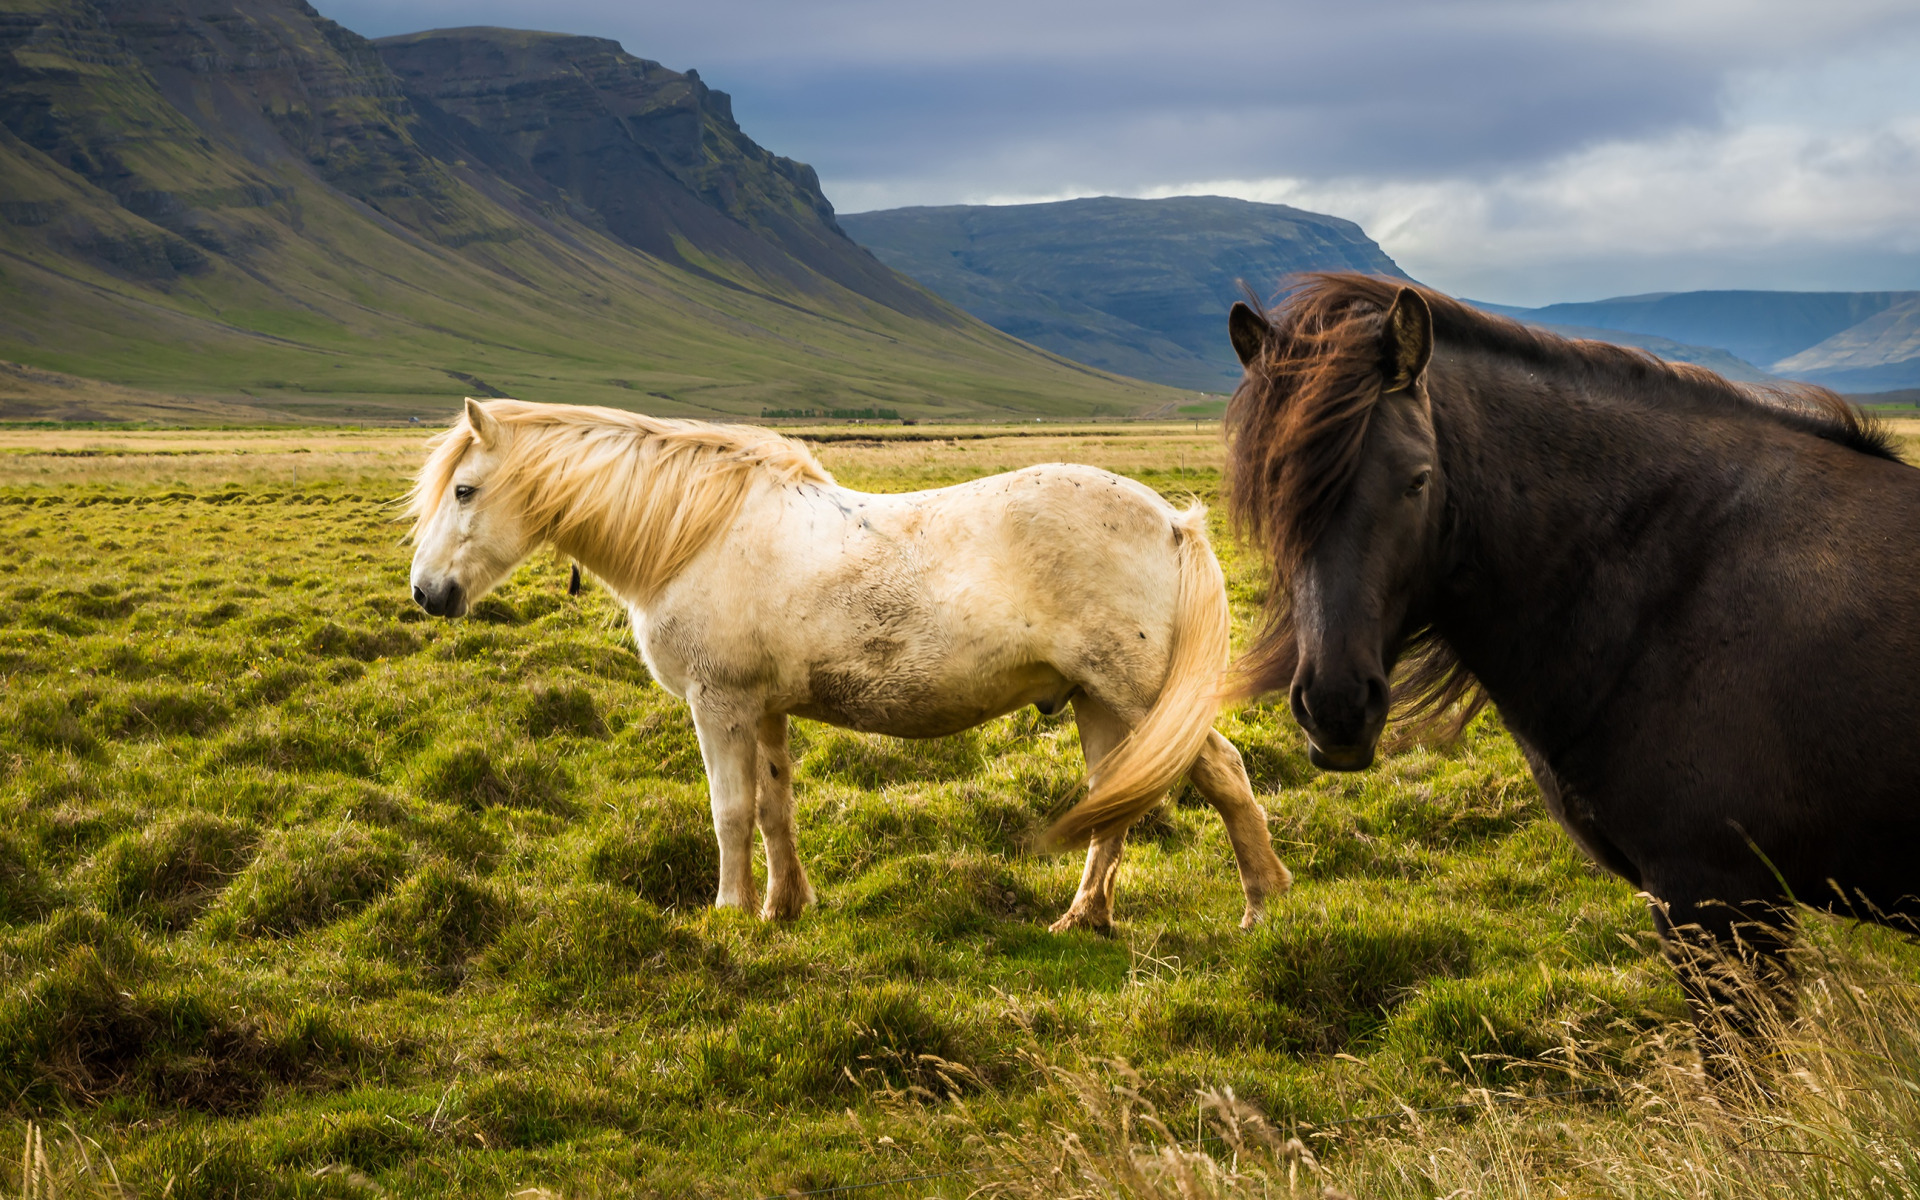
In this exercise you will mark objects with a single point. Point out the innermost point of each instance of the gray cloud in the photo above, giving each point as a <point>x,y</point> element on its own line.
<point>1478,102</point>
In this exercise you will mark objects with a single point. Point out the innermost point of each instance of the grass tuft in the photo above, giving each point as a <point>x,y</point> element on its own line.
<point>435,922</point>
<point>550,710</point>
<point>310,877</point>
<point>837,1044</point>
<point>589,945</point>
<point>473,776</point>
<point>164,875</point>
<point>25,892</point>
<point>664,853</point>
<point>1336,980</point>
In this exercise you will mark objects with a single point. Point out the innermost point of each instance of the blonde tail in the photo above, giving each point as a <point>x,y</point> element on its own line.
<point>1137,772</point>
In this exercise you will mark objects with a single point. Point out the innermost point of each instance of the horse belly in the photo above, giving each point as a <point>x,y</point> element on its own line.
<point>922,703</point>
<point>1579,818</point>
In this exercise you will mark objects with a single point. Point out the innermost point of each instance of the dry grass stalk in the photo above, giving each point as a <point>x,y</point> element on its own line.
<point>1820,1100</point>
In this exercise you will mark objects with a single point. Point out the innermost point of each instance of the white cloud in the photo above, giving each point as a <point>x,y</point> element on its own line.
<point>1810,180</point>
<point>1741,207</point>
<point>1517,150</point>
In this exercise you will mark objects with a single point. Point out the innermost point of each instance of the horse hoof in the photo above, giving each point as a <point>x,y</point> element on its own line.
<point>785,910</point>
<point>1252,917</point>
<point>1077,920</point>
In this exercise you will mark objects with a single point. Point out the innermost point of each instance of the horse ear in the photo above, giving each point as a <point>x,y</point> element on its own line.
<point>1407,343</point>
<point>486,426</point>
<point>1248,331</point>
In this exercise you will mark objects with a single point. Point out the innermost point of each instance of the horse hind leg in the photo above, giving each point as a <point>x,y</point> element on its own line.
<point>788,891</point>
<point>1221,777</point>
<point>1100,731</point>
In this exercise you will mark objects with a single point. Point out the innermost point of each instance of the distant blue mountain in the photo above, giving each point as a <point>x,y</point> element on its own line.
<point>1142,288</point>
<point>1854,341</point>
<point>1137,287</point>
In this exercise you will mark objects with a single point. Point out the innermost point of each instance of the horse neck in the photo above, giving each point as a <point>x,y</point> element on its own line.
<point>1576,514</point>
<point>628,527</point>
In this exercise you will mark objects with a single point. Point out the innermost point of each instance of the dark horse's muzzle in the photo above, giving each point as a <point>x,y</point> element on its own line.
<point>447,600</point>
<point>1343,716</point>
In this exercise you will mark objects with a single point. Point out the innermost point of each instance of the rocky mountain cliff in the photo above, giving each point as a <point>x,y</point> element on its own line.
<point>651,155</point>
<point>242,200</point>
<point>1141,287</point>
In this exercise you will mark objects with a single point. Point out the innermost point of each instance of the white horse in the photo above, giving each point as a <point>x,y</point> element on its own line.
<point>759,589</point>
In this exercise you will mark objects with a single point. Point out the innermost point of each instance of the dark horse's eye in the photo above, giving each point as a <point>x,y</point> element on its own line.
<point>1419,483</point>
<point>464,492</point>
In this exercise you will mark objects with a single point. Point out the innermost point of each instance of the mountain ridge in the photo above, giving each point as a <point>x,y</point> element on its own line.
<point>1864,341</point>
<point>242,200</point>
<point>1141,287</point>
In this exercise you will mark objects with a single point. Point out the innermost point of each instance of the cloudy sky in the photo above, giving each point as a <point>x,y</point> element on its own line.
<point>1521,151</point>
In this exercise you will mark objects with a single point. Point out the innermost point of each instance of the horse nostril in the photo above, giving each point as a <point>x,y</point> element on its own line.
<point>419,595</point>
<point>1376,694</point>
<point>1297,697</point>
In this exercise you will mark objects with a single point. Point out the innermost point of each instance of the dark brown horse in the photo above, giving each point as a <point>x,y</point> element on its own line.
<point>1696,605</point>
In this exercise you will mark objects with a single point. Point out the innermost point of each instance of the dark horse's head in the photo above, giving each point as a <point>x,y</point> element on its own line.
<point>1335,468</point>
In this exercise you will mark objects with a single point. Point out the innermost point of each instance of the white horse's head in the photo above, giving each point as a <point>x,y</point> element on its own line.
<point>465,540</point>
<point>630,497</point>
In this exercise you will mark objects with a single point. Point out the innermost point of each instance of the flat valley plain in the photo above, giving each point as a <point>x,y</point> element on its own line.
<point>304,893</point>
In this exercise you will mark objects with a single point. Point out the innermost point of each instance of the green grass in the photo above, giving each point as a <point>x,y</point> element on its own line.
<point>302,893</point>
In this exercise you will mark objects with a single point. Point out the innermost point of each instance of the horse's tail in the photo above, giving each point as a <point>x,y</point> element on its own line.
<point>1137,772</point>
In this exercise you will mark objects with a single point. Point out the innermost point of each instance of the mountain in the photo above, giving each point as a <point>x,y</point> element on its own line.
<point>1861,341</point>
<point>1137,287</point>
<point>1712,357</point>
<point>241,204</point>
<point>1880,353</point>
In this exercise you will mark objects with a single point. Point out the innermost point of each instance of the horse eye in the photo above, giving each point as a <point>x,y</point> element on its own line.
<point>464,492</point>
<point>1419,483</point>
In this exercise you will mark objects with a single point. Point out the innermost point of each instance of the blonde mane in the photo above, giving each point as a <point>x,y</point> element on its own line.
<point>631,496</point>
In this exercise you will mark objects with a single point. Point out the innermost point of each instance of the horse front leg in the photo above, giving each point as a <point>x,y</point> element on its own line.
<point>728,746</point>
<point>1734,966</point>
<point>788,891</point>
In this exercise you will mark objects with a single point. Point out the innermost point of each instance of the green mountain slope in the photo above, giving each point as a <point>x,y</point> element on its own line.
<point>1140,287</point>
<point>242,201</point>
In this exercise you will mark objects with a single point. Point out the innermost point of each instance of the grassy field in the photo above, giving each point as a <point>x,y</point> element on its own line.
<point>303,894</point>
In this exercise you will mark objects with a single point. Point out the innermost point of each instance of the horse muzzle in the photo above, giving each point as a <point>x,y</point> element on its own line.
<point>447,600</point>
<point>1343,719</point>
<point>1340,758</point>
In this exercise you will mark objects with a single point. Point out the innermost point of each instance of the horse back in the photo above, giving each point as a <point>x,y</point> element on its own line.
<point>924,613</point>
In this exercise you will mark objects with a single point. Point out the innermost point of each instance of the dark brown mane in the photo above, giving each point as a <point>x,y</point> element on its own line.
<point>1298,422</point>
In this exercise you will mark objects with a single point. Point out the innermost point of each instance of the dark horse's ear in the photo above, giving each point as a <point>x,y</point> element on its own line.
<point>1406,344</point>
<point>1248,331</point>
